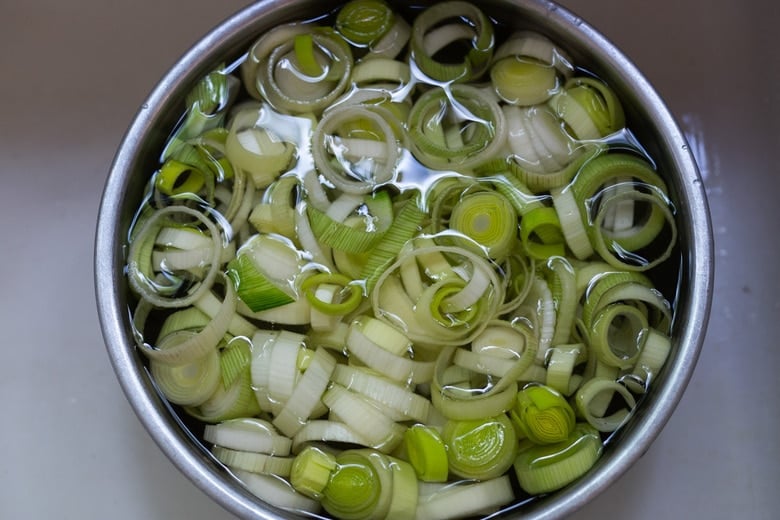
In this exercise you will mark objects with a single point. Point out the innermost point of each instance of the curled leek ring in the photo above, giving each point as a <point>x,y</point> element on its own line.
<point>362,164</point>
<point>304,73</point>
<point>139,268</point>
<point>345,306</point>
<point>193,347</point>
<point>456,128</point>
<point>618,334</point>
<point>430,33</point>
<point>589,108</point>
<point>421,317</point>
<point>590,390</point>
<point>621,248</point>
<point>260,51</point>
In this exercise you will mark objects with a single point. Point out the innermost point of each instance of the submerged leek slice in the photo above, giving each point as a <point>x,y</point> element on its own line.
<point>190,383</point>
<point>465,499</point>
<point>355,165</point>
<point>404,227</point>
<point>166,290</point>
<point>652,234</point>
<point>481,449</point>
<point>276,74</point>
<point>534,46</point>
<point>248,434</point>
<point>276,491</point>
<point>458,128</point>
<point>255,462</point>
<point>364,22</point>
<point>255,144</point>
<point>207,104</point>
<point>489,219</point>
<point>176,177</point>
<point>428,38</point>
<point>523,82</point>
<point>589,107</point>
<point>265,272</point>
<point>307,393</point>
<point>384,391</point>
<point>332,228</point>
<point>593,388</point>
<point>358,487</point>
<point>363,418</point>
<point>546,468</point>
<point>395,366</point>
<point>353,293</point>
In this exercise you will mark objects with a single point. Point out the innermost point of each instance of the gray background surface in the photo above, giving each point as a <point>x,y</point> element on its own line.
<point>74,73</point>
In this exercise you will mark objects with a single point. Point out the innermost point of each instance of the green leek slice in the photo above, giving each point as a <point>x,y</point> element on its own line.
<point>523,82</point>
<point>427,453</point>
<point>364,22</point>
<point>481,449</point>
<point>478,29</point>
<point>542,415</point>
<point>355,487</point>
<point>545,468</point>
<point>489,219</point>
<point>311,471</point>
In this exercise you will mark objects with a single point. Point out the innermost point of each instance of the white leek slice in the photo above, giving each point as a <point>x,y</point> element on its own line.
<point>560,366</point>
<point>321,430</point>
<point>367,421</point>
<point>196,345</point>
<point>276,491</point>
<point>190,383</point>
<point>462,500</point>
<point>283,372</point>
<point>593,387</point>
<point>398,368</point>
<point>403,501</point>
<point>253,461</point>
<point>388,393</point>
<point>248,434</point>
<point>139,267</point>
<point>572,224</point>
<point>306,395</point>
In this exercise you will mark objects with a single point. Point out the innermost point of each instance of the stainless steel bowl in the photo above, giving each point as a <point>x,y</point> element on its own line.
<point>646,114</point>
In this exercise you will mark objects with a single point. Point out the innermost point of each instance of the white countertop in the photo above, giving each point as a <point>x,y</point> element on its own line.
<point>74,74</point>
